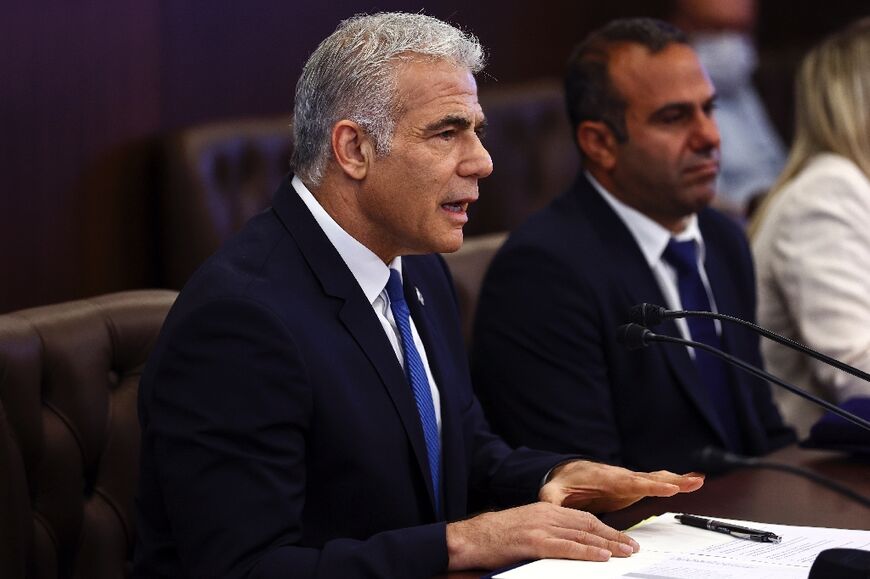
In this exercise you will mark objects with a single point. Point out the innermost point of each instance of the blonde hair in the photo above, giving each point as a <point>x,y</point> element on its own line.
<point>832,107</point>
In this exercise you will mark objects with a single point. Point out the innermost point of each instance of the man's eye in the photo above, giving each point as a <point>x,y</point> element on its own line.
<point>446,135</point>
<point>481,133</point>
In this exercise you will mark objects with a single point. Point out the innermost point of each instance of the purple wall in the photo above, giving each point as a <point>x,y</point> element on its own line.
<point>90,86</point>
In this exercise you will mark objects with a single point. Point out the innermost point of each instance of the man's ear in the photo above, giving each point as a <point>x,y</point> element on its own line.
<point>598,143</point>
<point>352,148</point>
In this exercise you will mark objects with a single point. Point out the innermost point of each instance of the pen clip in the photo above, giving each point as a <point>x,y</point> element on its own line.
<point>758,537</point>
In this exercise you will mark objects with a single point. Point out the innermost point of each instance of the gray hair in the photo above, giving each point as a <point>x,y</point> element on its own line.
<point>352,75</point>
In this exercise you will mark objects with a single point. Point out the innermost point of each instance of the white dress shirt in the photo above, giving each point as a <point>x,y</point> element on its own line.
<point>371,274</point>
<point>653,239</point>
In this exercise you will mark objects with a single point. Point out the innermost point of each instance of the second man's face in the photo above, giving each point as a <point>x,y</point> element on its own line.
<point>417,196</point>
<point>667,168</point>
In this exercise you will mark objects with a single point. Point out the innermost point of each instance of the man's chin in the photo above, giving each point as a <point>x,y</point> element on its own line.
<point>703,196</point>
<point>451,243</point>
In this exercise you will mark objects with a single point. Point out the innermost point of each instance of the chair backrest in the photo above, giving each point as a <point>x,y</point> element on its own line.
<point>468,266</point>
<point>69,433</point>
<point>534,156</point>
<point>220,174</point>
<point>217,176</point>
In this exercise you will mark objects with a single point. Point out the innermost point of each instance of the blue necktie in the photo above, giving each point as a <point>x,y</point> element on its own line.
<point>712,370</point>
<point>416,374</point>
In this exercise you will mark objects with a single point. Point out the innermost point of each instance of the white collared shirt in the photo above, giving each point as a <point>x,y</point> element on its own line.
<point>653,239</point>
<point>371,274</point>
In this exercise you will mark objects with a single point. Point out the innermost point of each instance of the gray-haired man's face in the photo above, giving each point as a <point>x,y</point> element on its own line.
<point>416,198</point>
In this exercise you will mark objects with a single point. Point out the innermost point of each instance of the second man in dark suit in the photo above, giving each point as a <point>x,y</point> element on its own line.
<point>635,227</point>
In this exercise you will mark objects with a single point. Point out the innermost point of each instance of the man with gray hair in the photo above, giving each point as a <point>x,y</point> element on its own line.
<point>307,409</point>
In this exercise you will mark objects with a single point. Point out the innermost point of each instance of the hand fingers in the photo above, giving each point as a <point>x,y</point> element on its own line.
<point>585,527</point>
<point>644,485</point>
<point>619,481</point>
<point>579,535</point>
<point>598,487</point>
<point>539,530</point>
<point>617,548</point>
<point>631,488</point>
<point>686,482</point>
<point>554,548</point>
<point>656,484</point>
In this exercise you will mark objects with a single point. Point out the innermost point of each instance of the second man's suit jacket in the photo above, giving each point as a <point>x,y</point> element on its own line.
<point>280,436</point>
<point>546,363</point>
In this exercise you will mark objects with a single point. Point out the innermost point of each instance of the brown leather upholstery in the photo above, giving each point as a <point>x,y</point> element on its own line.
<point>219,175</point>
<point>468,266</point>
<point>69,433</point>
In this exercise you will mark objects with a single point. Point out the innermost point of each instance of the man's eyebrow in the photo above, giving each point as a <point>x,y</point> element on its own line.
<point>450,121</point>
<point>681,107</point>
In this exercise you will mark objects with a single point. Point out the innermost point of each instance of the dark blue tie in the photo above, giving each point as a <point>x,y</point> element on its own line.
<point>416,374</point>
<point>713,371</point>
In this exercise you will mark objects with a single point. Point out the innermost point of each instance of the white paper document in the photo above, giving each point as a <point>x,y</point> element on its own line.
<point>670,550</point>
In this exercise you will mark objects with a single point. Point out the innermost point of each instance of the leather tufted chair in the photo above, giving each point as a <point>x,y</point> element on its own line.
<point>69,433</point>
<point>221,174</point>
<point>468,267</point>
<point>218,176</point>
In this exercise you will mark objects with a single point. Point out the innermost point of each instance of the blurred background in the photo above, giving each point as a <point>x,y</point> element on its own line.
<point>94,90</point>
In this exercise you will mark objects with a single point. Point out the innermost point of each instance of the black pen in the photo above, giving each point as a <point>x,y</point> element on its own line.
<point>729,529</point>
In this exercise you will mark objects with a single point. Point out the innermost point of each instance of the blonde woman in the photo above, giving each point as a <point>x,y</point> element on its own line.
<point>811,236</point>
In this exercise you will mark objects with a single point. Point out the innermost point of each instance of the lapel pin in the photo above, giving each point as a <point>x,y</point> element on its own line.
<point>419,296</point>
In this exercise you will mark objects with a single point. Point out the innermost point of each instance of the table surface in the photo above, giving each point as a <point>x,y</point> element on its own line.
<point>764,495</point>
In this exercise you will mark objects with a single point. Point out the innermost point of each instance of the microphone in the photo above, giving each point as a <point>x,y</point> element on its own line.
<point>713,459</point>
<point>653,315</point>
<point>635,336</point>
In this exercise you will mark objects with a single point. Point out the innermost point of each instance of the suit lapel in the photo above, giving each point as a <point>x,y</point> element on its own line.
<point>355,314</point>
<point>361,322</point>
<point>630,266</point>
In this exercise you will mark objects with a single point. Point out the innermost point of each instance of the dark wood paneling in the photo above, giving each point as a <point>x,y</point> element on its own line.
<point>79,80</point>
<point>234,58</point>
<point>90,86</point>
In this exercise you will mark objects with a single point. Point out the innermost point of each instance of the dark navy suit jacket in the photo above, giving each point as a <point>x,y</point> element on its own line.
<point>546,363</point>
<point>279,434</point>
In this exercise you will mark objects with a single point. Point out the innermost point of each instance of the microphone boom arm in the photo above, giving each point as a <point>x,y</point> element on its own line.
<point>651,337</point>
<point>771,336</point>
<point>816,478</point>
<point>714,457</point>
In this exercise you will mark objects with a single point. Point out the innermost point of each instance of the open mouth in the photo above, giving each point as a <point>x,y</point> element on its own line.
<point>457,207</point>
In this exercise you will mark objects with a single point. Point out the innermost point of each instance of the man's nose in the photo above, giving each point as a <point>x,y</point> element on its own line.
<point>706,134</point>
<point>478,163</point>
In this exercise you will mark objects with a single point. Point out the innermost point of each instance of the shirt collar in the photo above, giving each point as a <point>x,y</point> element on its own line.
<point>650,236</point>
<point>367,268</point>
